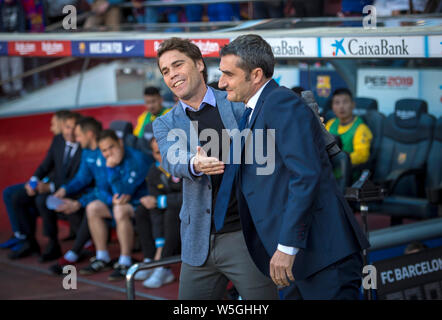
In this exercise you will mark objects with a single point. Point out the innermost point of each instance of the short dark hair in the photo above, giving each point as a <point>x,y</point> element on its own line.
<point>342,91</point>
<point>151,91</point>
<point>298,90</point>
<point>61,114</point>
<point>253,51</point>
<point>108,133</point>
<point>73,115</point>
<point>90,124</point>
<point>184,46</point>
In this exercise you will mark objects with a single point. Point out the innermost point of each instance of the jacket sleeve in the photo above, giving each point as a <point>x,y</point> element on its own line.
<point>296,133</point>
<point>82,179</point>
<point>151,185</point>
<point>127,177</point>
<point>48,163</point>
<point>175,157</point>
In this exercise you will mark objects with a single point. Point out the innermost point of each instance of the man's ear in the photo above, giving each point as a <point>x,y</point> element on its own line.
<point>200,65</point>
<point>257,75</point>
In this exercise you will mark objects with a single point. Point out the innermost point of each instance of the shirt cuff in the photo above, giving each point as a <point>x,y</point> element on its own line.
<point>192,171</point>
<point>288,250</point>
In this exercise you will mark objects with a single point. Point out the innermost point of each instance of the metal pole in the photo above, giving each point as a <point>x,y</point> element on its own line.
<point>364,211</point>
<point>80,81</point>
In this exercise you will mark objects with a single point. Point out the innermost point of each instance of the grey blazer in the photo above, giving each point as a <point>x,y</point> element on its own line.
<point>196,209</point>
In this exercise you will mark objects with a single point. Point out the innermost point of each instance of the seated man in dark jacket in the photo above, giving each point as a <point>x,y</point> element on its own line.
<point>62,159</point>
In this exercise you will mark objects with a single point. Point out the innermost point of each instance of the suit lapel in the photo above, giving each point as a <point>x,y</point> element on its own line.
<point>265,92</point>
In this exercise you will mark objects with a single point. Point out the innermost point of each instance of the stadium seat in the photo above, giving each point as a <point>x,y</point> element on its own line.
<point>325,110</point>
<point>367,109</point>
<point>434,167</point>
<point>124,130</point>
<point>363,105</point>
<point>143,143</point>
<point>401,163</point>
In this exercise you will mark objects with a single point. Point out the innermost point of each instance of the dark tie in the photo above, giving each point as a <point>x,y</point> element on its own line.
<point>225,190</point>
<point>67,155</point>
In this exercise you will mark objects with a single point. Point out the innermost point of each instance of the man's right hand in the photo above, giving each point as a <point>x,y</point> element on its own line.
<point>60,193</point>
<point>69,206</point>
<point>30,192</point>
<point>207,165</point>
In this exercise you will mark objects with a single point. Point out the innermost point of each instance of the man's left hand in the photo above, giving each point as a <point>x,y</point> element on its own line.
<point>43,188</point>
<point>281,268</point>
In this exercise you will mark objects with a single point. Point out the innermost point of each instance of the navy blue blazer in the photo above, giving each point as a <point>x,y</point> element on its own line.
<point>299,204</point>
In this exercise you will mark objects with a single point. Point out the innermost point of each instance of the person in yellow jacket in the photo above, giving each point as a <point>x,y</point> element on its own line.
<point>355,135</point>
<point>154,109</point>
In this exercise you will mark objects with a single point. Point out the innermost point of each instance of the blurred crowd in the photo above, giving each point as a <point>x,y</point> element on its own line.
<point>38,15</point>
<point>104,15</point>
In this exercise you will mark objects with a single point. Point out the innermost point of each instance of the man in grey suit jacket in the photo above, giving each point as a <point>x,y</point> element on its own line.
<point>210,258</point>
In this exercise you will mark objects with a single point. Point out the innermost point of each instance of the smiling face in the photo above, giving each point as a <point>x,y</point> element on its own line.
<point>67,129</point>
<point>239,85</point>
<point>182,75</point>
<point>84,137</point>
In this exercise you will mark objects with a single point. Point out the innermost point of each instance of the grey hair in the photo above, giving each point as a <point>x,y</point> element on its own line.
<point>253,51</point>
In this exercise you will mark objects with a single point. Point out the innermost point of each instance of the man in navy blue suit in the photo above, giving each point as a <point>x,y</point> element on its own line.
<point>297,225</point>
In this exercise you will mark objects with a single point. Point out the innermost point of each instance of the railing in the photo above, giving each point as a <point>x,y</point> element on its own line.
<point>186,2</point>
<point>130,275</point>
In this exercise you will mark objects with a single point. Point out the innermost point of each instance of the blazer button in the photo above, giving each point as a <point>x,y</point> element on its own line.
<point>207,210</point>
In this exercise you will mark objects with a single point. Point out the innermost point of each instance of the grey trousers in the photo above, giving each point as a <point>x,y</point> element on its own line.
<point>228,259</point>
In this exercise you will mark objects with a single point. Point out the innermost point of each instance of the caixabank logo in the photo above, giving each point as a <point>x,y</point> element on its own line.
<point>373,47</point>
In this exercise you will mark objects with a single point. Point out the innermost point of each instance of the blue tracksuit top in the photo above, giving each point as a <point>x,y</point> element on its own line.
<point>126,178</point>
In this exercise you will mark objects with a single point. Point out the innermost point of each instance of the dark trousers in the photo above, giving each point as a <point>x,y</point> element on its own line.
<point>82,235</point>
<point>339,281</point>
<point>25,207</point>
<point>7,199</point>
<point>26,212</point>
<point>149,226</point>
<point>50,218</point>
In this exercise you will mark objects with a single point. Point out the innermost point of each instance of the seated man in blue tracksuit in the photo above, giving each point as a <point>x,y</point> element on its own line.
<point>125,170</point>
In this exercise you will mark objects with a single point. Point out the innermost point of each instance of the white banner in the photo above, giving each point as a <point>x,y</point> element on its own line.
<point>293,47</point>
<point>388,86</point>
<point>435,46</point>
<point>372,47</point>
<point>287,76</point>
<point>431,90</point>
